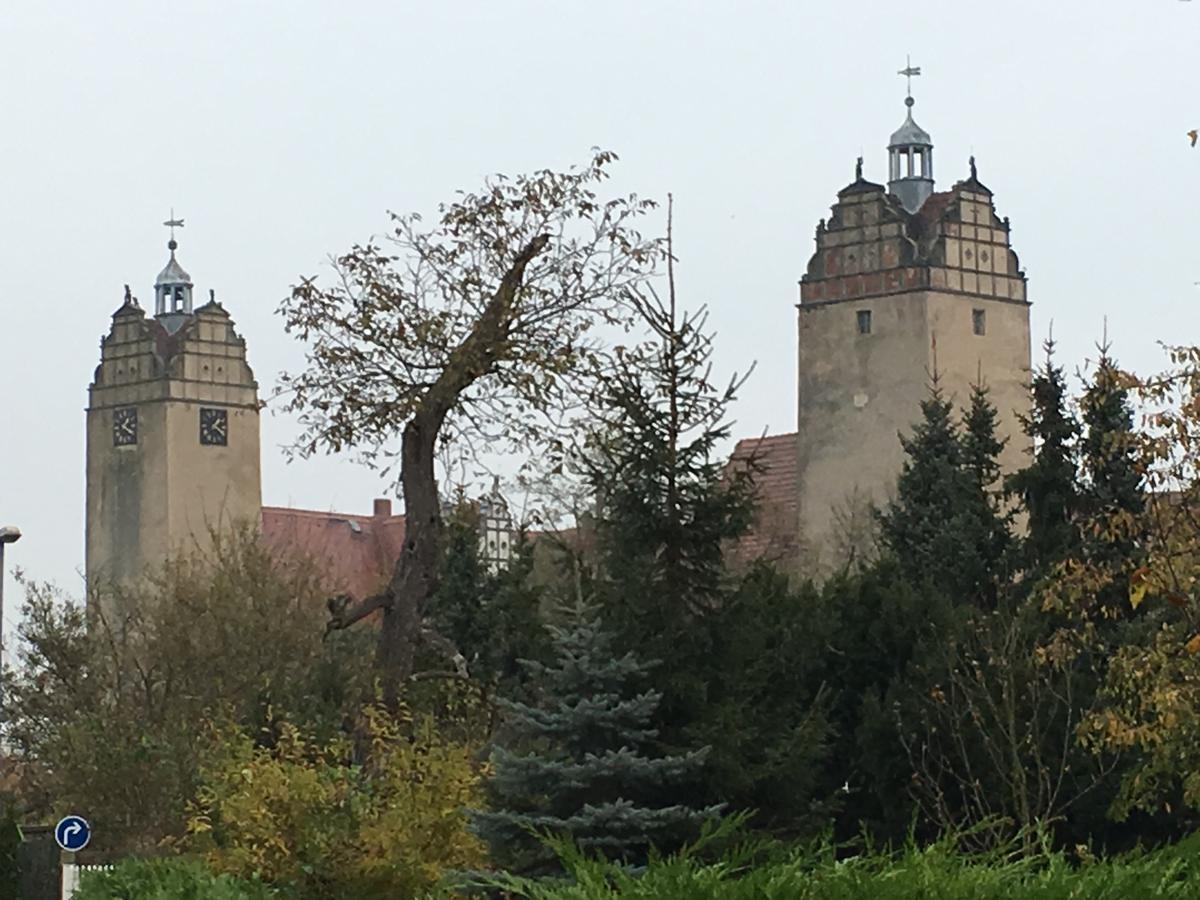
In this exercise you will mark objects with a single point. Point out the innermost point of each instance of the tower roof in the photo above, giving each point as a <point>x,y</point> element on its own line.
<point>910,156</point>
<point>173,287</point>
<point>910,133</point>
<point>173,272</point>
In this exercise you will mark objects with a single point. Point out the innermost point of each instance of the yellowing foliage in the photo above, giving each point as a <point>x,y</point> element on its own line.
<point>381,816</point>
<point>1152,707</point>
<point>1138,586</point>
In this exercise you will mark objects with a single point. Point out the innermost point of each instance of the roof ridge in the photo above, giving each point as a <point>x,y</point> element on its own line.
<point>329,514</point>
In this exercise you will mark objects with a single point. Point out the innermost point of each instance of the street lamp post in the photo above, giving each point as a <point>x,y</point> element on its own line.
<point>8,535</point>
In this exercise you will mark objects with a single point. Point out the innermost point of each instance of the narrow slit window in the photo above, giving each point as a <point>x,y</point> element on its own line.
<point>979,321</point>
<point>864,321</point>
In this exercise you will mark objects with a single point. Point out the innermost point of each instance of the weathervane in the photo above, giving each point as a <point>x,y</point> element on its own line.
<point>908,72</point>
<point>173,223</point>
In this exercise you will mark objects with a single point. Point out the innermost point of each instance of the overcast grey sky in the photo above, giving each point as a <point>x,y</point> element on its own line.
<point>282,131</point>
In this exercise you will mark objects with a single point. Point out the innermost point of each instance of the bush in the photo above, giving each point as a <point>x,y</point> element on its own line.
<point>102,713</point>
<point>380,817</point>
<point>169,879</point>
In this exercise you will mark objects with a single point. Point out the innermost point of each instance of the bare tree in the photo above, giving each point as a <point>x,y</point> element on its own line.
<point>993,745</point>
<point>478,331</point>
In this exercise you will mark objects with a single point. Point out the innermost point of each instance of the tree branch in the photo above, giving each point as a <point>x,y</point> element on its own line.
<point>343,615</point>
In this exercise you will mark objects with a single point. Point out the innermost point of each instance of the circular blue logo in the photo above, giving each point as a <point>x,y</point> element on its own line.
<point>72,832</point>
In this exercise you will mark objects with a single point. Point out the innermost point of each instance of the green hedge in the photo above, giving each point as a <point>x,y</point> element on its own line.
<point>169,879</point>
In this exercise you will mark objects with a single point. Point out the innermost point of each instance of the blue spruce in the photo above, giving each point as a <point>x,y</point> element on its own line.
<point>581,763</point>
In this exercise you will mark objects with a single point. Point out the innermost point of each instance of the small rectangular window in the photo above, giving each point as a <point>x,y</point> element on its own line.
<point>979,321</point>
<point>864,321</point>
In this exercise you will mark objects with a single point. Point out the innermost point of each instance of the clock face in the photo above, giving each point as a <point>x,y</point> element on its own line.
<point>125,426</point>
<point>214,427</point>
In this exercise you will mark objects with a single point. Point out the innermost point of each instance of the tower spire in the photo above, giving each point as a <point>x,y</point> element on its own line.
<point>173,287</point>
<point>910,152</point>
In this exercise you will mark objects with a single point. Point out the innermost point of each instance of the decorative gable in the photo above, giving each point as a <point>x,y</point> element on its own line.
<point>872,246</point>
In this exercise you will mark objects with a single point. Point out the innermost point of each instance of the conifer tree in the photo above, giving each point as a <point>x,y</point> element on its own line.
<point>768,697</point>
<point>1048,486</point>
<point>924,524</point>
<point>981,445</point>
<point>1111,493</point>
<point>580,762</point>
<point>990,522</point>
<point>491,618</point>
<point>734,647</point>
<point>1112,480</point>
<point>666,505</point>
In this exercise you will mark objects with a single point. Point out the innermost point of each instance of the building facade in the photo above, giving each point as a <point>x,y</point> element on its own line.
<point>172,432</point>
<point>906,283</point>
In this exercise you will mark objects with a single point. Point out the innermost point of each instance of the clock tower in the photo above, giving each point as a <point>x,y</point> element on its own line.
<point>172,431</point>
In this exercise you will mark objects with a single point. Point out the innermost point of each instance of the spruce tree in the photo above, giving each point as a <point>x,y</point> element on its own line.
<point>1112,481</point>
<point>923,527</point>
<point>990,523</point>
<point>1112,491</point>
<point>580,762</point>
<point>666,504</point>
<point>1048,487</point>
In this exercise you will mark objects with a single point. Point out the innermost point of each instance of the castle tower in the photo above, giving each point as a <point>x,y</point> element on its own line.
<point>172,431</point>
<point>905,281</point>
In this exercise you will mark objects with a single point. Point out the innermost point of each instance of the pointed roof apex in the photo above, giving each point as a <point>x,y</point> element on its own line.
<point>173,272</point>
<point>910,133</point>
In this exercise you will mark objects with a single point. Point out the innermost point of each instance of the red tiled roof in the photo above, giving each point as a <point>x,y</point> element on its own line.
<point>931,210</point>
<point>354,554</point>
<point>775,533</point>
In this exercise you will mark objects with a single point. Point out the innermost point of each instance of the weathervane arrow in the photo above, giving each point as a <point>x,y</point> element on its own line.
<point>909,71</point>
<point>173,223</point>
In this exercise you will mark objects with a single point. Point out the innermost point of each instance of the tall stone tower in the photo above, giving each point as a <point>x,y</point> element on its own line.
<point>905,281</point>
<point>172,431</point>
